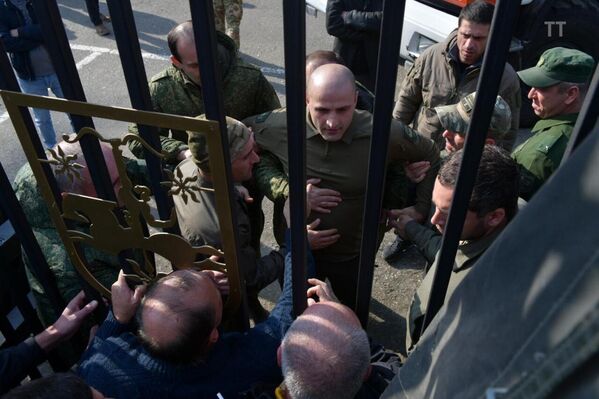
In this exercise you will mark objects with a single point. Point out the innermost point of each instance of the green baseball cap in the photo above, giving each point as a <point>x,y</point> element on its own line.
<point>557,65</point>
<point>238,135</point>
<point>456,117</point>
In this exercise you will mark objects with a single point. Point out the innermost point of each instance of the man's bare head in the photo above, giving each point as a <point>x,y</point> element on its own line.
<point>84,185</point>
<point>325,353</point>
<point>318,58</point>
<point>331,99</point>
<point>188,302</point>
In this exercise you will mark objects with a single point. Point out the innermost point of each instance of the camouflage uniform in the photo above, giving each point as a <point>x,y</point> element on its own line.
<point>103,266</point>
<point>245,92</point>
<point>540,155</point>
<point>227,17</point>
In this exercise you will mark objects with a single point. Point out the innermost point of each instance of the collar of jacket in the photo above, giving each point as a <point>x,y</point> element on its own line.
<point>468,250</point>
<point>566,119</point>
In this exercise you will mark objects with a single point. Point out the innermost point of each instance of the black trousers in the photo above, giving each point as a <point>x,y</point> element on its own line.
<point>343,277</point>
<point>93,10</point>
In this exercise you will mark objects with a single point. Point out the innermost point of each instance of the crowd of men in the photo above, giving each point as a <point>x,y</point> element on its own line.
<point>167,340</point>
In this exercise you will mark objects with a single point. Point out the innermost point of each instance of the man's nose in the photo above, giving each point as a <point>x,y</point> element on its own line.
<point>437,218</point>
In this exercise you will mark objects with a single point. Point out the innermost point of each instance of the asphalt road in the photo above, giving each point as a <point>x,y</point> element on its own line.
<point>261,44</point>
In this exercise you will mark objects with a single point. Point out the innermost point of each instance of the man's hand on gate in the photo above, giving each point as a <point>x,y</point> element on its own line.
<point>125,300</point>
<point>322,290</point>
<point>416,171</point>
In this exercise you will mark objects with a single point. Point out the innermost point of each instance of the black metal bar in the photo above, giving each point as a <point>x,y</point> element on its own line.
<point>125,31</point>
<point>488,85</point>
<point>587,118</point>
<point>294,27</point>
<point>391,28</point>
<point>65,67</point>
<point>202,16</point>
<point>39,267</point>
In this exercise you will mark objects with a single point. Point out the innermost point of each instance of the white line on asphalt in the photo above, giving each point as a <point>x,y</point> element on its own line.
<point>87,60</point>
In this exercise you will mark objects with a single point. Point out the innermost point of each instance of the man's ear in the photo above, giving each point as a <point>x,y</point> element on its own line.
<point>495,218</point>
<point>175,62</point>
<point>367,374</point>
<point>573,93</point>
<point>213,336</point>
<point>279,355</point>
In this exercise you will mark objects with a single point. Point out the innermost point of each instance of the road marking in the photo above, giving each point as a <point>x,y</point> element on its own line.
<point>87,60</point>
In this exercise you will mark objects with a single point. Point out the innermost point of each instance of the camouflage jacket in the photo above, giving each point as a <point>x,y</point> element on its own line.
<point>540,155</point>
<point>435,79</point>
<point>103,266</point>
<point>246,92</point>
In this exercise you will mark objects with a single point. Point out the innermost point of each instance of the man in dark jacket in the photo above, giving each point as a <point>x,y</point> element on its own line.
<point>24,41</point>
<point>356,25</point>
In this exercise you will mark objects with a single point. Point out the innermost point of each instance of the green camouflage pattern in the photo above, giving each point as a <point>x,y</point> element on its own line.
<point>238,136</point>
<point>103,266</point>
<point>540,155</point>
<point>227,17</point>
<point>456,117</point>
<point>246,92</point>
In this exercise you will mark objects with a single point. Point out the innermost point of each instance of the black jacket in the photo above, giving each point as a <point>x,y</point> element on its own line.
<point>30,37</point>
<point>356,35</point>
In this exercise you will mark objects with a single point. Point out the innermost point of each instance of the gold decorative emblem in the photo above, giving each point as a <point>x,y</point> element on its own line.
<point>128,230</point>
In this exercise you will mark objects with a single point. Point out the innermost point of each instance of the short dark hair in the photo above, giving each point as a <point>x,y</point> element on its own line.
<point>324,55</point>
<point>497,180</point>
<point>184,29</point>
<point>190,340</point>
<point>54,386</point>
<point>478,12</point>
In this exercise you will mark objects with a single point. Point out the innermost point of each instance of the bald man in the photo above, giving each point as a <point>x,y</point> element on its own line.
<point>325,354</point>
<point>177,350</point>
<point>337,148</point>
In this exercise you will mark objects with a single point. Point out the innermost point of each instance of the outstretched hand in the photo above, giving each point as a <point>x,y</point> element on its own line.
<point>67,324</point>
<point>416,171</point>
<point>322,290</point>
<point>125,300</point>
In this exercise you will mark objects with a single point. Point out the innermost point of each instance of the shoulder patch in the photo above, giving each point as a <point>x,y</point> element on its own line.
<point>262,117</point>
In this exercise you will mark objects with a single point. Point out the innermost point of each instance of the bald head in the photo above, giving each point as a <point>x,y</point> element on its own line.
<point>318,58</point>
<point>331,100</point>
<point>83,183</point>
<point>179,35</point>
<point>188,302</point>
<point>329,77</point>
<point>325,353</point>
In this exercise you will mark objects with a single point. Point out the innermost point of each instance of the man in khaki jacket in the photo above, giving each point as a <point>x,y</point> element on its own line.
<point>448,71</point>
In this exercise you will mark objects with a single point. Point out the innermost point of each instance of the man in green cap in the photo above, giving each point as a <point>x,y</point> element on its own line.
<point>199,220</point>
<point>455,119</point>
<point>559,83</point>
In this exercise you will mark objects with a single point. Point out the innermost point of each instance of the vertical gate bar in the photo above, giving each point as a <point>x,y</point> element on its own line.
<point>202,16</point>
<point>587,118</point>
<point>39,267</point>
<point>125,31</point>
<point>391,28</point>
<point>493,65</point>
<point>294,28</point>
<point>64,65</point>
